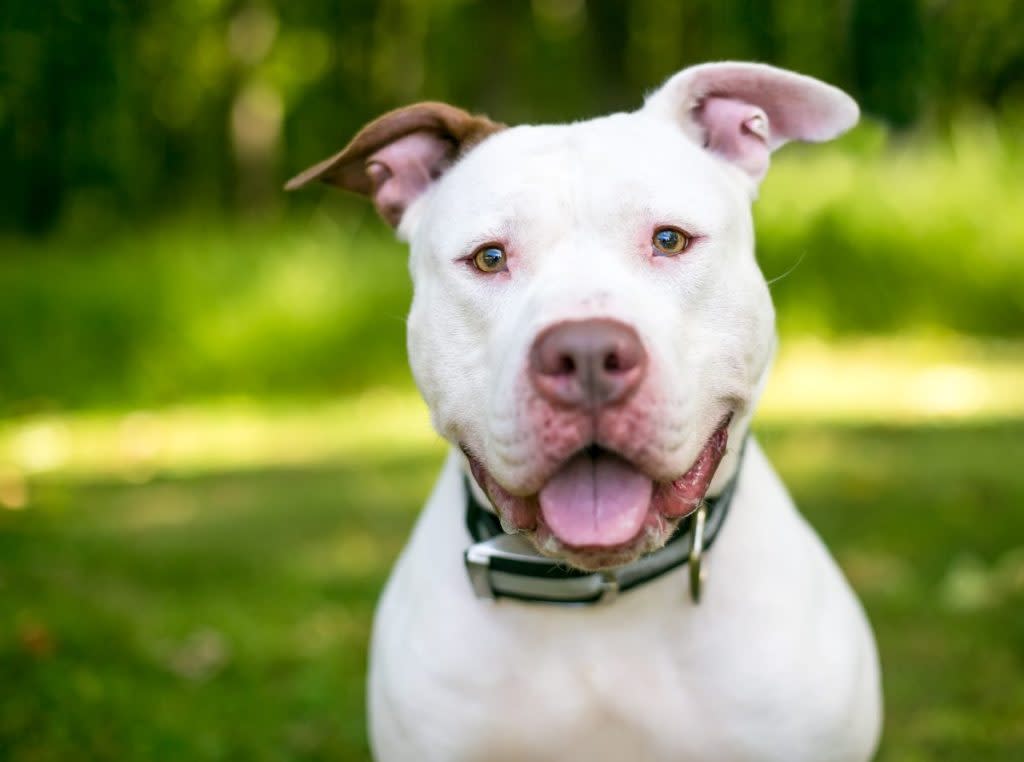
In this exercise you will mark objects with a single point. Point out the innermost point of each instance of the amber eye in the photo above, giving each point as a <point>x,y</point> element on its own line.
<point>490,259</point>
<point>670,241</point>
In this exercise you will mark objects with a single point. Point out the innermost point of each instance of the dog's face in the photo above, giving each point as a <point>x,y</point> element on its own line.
<point>575,213</point>
<point>589,324</point>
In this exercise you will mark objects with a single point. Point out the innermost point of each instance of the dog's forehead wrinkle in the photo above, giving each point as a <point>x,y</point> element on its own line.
<point>600,173</point>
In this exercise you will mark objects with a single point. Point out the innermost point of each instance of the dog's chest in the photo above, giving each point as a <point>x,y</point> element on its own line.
<point>609,683</point>
<point>749,674</point>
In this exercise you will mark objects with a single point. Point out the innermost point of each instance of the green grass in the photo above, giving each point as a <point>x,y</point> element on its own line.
<point>194,527</point>
<point>225,615</point>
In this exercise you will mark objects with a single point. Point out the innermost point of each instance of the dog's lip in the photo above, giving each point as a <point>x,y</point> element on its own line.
<point>671,501</point>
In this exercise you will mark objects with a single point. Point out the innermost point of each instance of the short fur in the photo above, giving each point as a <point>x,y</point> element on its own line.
<point>778,661</point>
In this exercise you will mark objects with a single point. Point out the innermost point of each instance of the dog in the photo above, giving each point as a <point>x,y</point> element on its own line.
<point>591,331</point>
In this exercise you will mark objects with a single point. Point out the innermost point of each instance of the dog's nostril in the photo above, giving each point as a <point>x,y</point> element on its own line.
<point>587,362</point>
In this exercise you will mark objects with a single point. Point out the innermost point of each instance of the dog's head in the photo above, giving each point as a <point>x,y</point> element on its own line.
<point>589,323</point>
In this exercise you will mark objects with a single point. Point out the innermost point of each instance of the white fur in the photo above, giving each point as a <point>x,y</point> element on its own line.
<point>776,663</point>
<point>778,660</point>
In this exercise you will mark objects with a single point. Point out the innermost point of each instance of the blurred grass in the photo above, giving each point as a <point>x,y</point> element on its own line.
<point>226,615</point>
<point>885,380</point>
<point>211,452</point>
<point>197,582</point>
<point>920,236</point>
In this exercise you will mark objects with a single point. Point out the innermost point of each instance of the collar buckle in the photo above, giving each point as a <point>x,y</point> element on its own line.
<point>507,566</point>
<point>478,565</point>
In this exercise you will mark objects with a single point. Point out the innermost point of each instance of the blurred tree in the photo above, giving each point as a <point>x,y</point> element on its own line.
<point>887,40</point>
<point>978,48</point>
<point>114,109</point>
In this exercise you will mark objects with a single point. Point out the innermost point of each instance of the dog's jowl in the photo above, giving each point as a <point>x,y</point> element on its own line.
<point>608,567</point>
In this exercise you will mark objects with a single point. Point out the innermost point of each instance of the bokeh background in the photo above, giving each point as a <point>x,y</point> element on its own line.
<point>210,446</point>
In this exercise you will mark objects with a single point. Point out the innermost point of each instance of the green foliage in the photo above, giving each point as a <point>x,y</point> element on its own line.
<point>208,309</point>
<point>123,109</point>
<point>227,616</point>
<point>882,235</point>
<point>870,235</point>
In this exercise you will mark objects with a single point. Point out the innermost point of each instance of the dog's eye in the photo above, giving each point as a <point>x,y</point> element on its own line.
<point>670,241</point>
<point>490,259</point>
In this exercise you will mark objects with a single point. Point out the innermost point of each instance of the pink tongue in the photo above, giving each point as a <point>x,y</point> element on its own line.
<point>597,501</point>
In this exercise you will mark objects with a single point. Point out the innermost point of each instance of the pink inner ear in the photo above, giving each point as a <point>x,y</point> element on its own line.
<point>744,111</point>
<point>403,169</point>
<point>737,131</point>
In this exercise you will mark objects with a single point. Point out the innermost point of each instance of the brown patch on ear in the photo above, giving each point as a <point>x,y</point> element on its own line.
<point>347,168</point>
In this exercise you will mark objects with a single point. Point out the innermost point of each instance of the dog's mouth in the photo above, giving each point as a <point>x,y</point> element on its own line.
<point>599,509</point>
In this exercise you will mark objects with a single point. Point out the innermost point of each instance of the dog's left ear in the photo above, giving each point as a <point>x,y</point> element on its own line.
<point>394,158</point>
<point>742,111</point>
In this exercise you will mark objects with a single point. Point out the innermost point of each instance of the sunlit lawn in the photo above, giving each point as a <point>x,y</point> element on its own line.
<point>199,584</point>
<point>226,616</point>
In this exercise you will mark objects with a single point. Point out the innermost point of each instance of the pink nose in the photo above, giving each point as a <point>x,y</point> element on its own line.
<point>587,363</point>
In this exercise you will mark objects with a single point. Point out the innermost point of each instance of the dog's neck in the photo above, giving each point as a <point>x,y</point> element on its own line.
<point>501,565</point>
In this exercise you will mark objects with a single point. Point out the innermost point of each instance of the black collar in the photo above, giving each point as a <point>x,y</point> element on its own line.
<point>501,565</point>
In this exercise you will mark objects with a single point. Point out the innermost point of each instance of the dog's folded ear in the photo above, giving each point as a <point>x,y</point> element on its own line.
<point>394,158</point>
<point>743,111</point>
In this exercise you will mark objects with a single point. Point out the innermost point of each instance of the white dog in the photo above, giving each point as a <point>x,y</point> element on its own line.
<point>591,332</point>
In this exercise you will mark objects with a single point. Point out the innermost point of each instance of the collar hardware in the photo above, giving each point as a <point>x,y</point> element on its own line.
<point>502,565</point>
<point>609,588</point>
<point>697,552</point>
